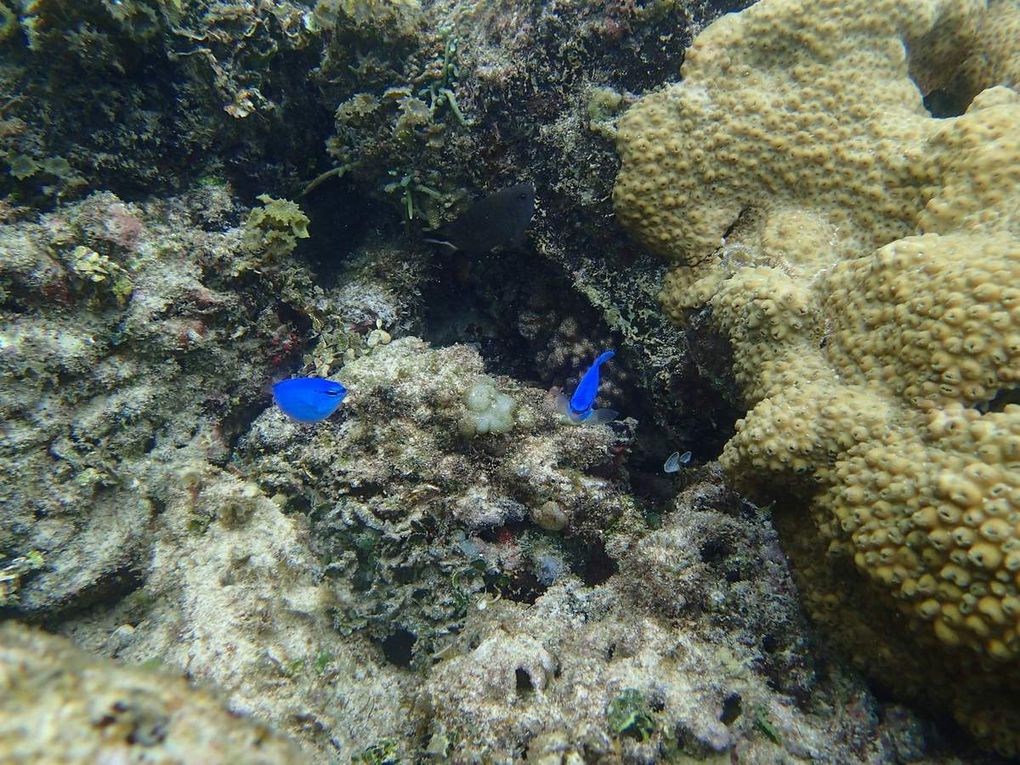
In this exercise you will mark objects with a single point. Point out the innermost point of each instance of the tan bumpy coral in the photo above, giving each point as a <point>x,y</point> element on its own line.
<point>863,259</point>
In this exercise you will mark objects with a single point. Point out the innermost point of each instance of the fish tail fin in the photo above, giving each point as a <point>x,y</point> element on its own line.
<point>601,416</point>
<point>604,357</point>
<point>564,409</point>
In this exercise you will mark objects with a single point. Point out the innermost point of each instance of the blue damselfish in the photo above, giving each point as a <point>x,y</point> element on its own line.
<point>579,408</point>
<point>309,399</point>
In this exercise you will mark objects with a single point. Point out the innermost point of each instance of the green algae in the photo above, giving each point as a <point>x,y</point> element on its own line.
<point>629,714</point>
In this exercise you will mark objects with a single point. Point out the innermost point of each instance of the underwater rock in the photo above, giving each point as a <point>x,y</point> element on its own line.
<point>81,710</point>
<point>697,649</point>
<point>107,370</point>
<point>400,485</point>
<point>234,574</point>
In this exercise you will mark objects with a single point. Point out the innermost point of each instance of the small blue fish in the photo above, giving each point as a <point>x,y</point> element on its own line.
<point>308,399</point>
<point>579,407</point>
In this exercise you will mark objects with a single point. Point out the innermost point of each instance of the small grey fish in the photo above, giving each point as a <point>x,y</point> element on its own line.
<point>500,219</point>
<point>675,460</point>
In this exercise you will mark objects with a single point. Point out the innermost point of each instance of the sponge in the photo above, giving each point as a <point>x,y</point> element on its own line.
<point>488,410</point>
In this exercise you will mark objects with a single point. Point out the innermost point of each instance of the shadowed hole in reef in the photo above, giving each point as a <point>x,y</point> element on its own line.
<point>597,566</point>
<point>714,550</point>
<point>523,682</point>
<point>590,562</point>
<point>946,103</point>
<point>999,401</point>
<point>398,647</point>
<point>107,588</point>
<point>339,220</point>
<point>936,72</point>
<point>522,314</point>
<point>484,301</point>
<point>528,321</point>
<point>731,709</point>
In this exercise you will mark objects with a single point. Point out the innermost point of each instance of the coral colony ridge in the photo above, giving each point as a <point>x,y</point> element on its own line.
<point>499,382</point>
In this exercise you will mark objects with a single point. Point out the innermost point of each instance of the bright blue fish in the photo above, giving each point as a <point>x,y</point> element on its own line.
<point>309,399</point>
<point>579,408</point>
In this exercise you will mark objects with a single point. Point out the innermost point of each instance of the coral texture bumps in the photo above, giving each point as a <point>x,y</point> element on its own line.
<point>862,255</point>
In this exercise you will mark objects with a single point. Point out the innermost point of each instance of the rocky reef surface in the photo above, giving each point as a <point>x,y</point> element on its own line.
<point>812,290</point>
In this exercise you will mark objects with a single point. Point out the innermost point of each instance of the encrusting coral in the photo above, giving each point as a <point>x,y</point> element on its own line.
<point>880,382</point>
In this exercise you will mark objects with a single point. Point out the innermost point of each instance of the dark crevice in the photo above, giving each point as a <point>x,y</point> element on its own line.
<point>731,709</point>
<point>498,534</point>
<point>512,307</point>
<point>597,566</point>
<point>109,587</point>
<point>939,71</point>
<point>946,103</point>
<point>480,300</point>
<point>999,401</point>
<point>523,682</point>
<point>340,218</point>
<point>398,647</point>
<point>236,421</point>
<point>714,550</point>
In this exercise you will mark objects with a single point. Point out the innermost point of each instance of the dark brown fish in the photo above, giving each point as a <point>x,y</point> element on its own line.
<point>498,220</point>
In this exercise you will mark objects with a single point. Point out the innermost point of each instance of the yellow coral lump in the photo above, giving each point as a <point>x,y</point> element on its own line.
<point>863,259</point>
